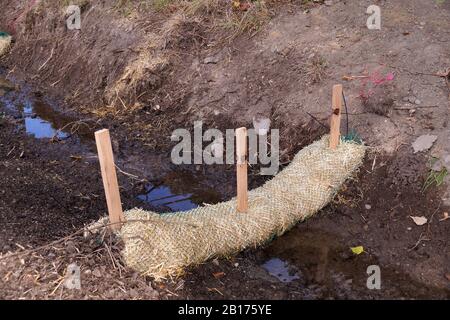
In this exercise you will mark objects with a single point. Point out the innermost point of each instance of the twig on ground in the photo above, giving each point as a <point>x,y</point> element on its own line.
<point>128,174</point>
<point>46,61</point>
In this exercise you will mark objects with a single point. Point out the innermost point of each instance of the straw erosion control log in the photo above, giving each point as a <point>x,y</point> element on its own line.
<point>5,42</point>
<point>162,245</point>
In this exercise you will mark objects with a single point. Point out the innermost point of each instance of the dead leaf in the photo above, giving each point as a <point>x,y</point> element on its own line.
<point>444,73</point>
<point>357,250</point>
<point>420,221</point>
<point>445,217</point>
<point>218,275</point>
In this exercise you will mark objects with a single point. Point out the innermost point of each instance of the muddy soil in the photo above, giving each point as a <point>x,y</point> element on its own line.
<point>41,185</point>
<point>51,186</point>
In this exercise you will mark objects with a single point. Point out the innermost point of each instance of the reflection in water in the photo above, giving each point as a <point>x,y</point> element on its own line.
<point>319,255</point>
<point>280,269</point>
<point>41,120</point>
<point>162,196</point>
<point>39,127</point>
<point>179,191</point>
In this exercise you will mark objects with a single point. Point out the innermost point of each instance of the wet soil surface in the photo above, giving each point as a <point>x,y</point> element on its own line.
<point>51,187</point>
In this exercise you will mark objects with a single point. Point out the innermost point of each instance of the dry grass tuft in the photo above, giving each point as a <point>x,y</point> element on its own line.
<point>316,68</point>
<point>249,21</point>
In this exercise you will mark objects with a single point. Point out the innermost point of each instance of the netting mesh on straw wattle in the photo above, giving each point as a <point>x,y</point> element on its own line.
<point>161,245</point>
<point>5,42</point>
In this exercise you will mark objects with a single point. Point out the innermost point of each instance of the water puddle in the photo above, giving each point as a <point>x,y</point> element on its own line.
<point>319,259</point>
<point>281,270</point>
<point>179,191</point>
<point>163,196</point>
<point>41,120</point>
<point>37,126</point>
<point>176,191</point>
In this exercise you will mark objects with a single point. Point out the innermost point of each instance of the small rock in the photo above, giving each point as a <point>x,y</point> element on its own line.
<point>72,278</point>
<point>423,142</point>
<point>368,206</point>
<point>417,101</point>
<point>328,2</point>
<point>411,99</point>
<point>409,228</point>
<point>236,264</point>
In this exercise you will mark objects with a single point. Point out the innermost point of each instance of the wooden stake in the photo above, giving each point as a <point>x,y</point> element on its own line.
<point>335,122</point>
<point>242,184</point>
<point>106,158</point>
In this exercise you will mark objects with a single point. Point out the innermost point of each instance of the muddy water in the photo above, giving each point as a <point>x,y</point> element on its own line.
<point>316,258</point>
<point>179,191</point>
<point>39,116</point>
<point>281,270</point>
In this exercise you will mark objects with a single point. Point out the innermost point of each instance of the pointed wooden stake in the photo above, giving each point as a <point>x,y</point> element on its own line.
<point>242,184</point>
<point>335,123</point>
<point>106,158</point>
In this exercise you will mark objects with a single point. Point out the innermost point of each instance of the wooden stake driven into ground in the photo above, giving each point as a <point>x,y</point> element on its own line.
<point>241,167</point>
<point>335,122</point>
<point>106,158</point>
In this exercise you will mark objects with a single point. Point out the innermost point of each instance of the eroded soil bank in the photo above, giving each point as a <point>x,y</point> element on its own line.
<point>143,75</point>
